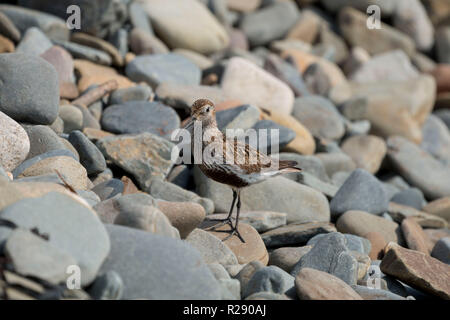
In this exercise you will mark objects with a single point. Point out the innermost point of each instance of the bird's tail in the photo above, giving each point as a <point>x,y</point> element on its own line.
<point>286,166</point>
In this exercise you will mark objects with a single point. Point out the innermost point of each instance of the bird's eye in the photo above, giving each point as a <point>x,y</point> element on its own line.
<point>207,109</point>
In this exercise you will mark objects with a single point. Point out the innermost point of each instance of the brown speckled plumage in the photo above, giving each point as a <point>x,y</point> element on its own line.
<point>230,161</point>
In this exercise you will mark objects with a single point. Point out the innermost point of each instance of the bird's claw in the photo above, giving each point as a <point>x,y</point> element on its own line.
<point>222,223</point>
<point>233,232</point>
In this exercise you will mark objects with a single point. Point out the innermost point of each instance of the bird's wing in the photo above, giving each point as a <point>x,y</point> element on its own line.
<point>247,158</point>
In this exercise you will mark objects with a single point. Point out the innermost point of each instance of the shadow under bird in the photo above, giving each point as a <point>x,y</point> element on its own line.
<point>247,166</point>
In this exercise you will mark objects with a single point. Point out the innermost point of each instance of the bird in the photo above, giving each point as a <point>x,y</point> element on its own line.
<point>248,166</point>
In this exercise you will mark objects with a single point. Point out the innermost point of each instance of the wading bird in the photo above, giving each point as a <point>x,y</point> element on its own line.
<point>247,166</point>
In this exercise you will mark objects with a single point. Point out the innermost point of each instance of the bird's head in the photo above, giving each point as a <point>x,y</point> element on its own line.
<point>203,110</point>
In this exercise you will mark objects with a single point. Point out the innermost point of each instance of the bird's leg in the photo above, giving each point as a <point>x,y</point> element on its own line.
<point>234,230</point>
<point>227,220</point>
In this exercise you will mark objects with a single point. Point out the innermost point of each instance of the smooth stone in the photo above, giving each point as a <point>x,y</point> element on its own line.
<point>136,93</point>
<point>303,143</point>
<point>246,273</point>
<point>34,42</point>
<point>90,156</point>
<point>43,140</point>
<point>242,117</point>
<point>303,60</point>
<point>270,279</point>
<point>411,197</point>
<point>330,254</point>
<point>99,19</point>
<point>72,118</point>
<point>386,7</point>
<point>99,44</point>
<point>243,6</point>
<point>72,232</point>
<point>142,42</point>
<point>29,162</point>
<point>392,66</point>
<point>353,243</point>
<point>8,29</point>
<point>6,45</point>
<point>306,28</point>
<point>14,143</point>
<point>230,289</point>
<point>144,155</point>
<point>436,139</point>
<point>33,256</point>
<point>417,269</point>
<point>182,96</point>
<point>415,238</point>
<point>250,84</point>
<point>177,271</point>
<point>399,212</point>
<point>264,295</point>
<point>441,250</point>
<point>253,248</point>
<point>316,80</point>
<point>367,151</point>
<point>24,18</point>
<point>440,73</point>
<point>360,223</point>
<point>108,286</point>
<point>265,129</point>
<point>260,220</point>
<point>376,294</point>
<point>361,191</point>
<point>180,176</point>
<point>269,23</point>
<point>286,257</point>
<point>95,74</point>
<point>119,40</point>
<point>140,116</point>
<point>91,197</point>
<point>310,164</point>
<point>439,207</point>
<point>378,243</point>
<point>164,190</point>
<point>198,30</point>
<point>163,68</point>
<point>70,169</point>
<point>312,284</point>
<point>352,24</point>
<point>419,168</point>
<point>139,18</point>
<point>185,216</point>
<point>219,271</point>
<point>212,249</point>
<point>201,61</point>
<point>407,103</point>
<point>287,73</point>
<point>320,116</point>
<point>443,44</point>
<point>295,233</point>
<point>79,51</point>
<point>289,194</point>
<point>143,217</point>
<point>336,162</point>
<point>62,61</point>
<point>108,189</point>
<point>37,104</point>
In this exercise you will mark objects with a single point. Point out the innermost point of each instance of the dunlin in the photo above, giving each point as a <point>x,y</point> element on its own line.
<point>247,166</point>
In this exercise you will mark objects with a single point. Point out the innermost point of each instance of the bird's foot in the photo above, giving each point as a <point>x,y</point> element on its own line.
<point>234,231</point>
<point>223,222</point>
